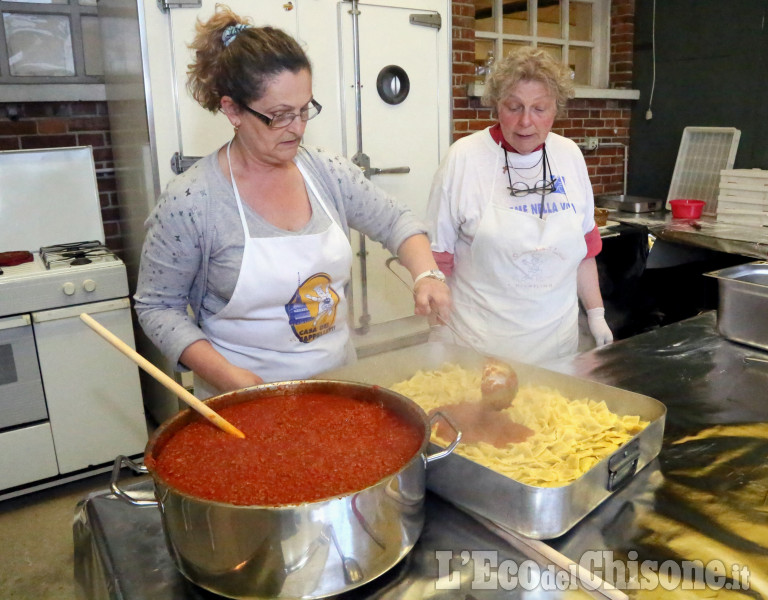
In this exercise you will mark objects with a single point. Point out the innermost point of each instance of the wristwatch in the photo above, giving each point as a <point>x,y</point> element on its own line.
<point>432,273</point>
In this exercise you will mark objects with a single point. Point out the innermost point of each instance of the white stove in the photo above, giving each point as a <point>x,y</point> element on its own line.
<point>69,402</point>
<point>63,275</point>
<point>76,254</point>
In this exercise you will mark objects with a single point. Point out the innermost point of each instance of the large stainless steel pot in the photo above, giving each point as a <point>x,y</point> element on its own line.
<point>308,550</point>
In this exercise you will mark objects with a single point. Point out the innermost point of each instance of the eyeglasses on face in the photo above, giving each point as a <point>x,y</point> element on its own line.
<point>282,120</point>
<point>542,188</point>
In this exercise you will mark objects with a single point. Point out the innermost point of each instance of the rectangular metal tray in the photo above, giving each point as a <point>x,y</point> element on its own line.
<point>536,512</point>
<point>743,294</point>
<point>631,204</point>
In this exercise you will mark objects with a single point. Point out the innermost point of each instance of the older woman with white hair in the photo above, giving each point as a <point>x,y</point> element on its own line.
<point>511,217</point>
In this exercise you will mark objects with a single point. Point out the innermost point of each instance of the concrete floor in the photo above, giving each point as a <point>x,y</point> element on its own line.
<point>36,549</point>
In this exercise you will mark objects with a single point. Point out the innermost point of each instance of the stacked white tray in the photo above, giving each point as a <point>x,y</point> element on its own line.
<point>743,197</point>
<point>703,152</point>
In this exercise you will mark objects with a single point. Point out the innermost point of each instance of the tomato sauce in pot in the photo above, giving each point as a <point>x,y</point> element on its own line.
<point>297,448</point>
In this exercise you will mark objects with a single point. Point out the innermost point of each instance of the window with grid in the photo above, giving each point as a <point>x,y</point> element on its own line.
<point>49,41</point>
<point>576,32</point>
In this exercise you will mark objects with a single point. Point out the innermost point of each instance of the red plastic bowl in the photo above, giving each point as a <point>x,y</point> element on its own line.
<point>686,209</point>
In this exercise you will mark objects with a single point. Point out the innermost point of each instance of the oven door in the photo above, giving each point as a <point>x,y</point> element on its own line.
<point>26,441</point>
<point>93,391</point>
<point>21,389</point>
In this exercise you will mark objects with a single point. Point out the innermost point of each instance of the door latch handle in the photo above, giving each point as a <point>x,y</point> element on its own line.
<point>364,162</point>
<point>391,171</point>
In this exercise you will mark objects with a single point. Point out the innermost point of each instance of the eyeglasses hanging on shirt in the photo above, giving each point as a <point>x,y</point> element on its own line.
<point>543,187</point>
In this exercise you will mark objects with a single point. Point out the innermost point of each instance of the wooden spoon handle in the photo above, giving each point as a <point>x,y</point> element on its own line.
<point>162,377</point>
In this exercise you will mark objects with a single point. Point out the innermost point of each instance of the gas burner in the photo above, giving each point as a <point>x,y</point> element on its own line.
<point>73,246</point>
<point>75,254</point>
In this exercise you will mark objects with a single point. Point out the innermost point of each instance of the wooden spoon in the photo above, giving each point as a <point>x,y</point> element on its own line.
<point>161,377</point>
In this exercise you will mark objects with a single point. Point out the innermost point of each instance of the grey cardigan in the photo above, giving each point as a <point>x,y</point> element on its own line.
<point>193,248</point>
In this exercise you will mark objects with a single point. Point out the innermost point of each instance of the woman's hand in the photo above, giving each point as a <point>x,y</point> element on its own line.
<point>232,378</point>
<point>432,297</point>
<point>588,286</point>
<point>238,378</point>
<point>598,326</point>
<point>206,362</point>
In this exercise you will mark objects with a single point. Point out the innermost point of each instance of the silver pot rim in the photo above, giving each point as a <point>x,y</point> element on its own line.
<point>169,427</point>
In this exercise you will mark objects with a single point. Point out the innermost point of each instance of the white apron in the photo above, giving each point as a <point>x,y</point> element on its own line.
<point>514,291</point>
<point>287,318</point>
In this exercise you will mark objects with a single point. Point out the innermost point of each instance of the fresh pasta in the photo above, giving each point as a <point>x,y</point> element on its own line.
<point>570,435</point>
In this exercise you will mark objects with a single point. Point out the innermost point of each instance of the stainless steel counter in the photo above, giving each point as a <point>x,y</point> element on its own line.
<point>702,233</point>
<point>696,516</point>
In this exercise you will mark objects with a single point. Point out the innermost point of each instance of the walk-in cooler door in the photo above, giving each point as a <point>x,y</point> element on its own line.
<point>404,107</point>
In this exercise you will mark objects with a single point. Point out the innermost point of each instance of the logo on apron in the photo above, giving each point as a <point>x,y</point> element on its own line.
<point>312,309</point>
<point>534,268</point>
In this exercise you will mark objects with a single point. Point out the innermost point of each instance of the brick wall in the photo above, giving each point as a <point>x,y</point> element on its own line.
<point>608,120</point>
<point>57,124</point>
<point>622,39</point>
<point>33,125</point>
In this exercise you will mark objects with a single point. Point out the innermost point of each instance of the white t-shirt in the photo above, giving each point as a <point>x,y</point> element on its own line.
<point>473,172</point>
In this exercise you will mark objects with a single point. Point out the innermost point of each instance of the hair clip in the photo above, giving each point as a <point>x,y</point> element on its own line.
<point>231,32</point>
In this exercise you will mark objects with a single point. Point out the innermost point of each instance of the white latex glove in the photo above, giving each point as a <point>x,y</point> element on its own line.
<point>598,327</point>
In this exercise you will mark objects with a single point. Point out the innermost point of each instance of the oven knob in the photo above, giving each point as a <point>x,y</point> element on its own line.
<point>68,288</point>
<point>89,285</point>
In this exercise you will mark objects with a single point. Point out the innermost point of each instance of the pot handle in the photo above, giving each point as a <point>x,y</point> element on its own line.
<point>122,494</point>
<point>438,455</point>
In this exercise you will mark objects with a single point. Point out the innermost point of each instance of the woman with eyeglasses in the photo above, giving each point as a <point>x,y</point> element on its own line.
<point>254,237</point>
<point>511,217</point>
